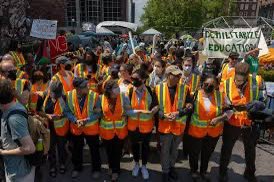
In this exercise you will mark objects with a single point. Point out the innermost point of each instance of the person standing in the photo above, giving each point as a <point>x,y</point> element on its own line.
<point>240,90</point>
<point>228,69</point>
<point>251,58</point>
<point>82,103</point>
<point>172,101</point>
<point>113,128</point>
<point>206,125</point>
<point>158,74</point>
<point>140,125</point>
<point>15,137</point>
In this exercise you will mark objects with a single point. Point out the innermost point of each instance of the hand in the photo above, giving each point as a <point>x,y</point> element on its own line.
<point>40,93</point>
<point>189,106</point>
<point>1,151</point>
<point>79,123</point>
<point>154,109</point>
<point>214,121</point>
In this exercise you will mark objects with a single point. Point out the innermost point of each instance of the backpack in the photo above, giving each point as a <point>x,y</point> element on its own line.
<point>37,130</point>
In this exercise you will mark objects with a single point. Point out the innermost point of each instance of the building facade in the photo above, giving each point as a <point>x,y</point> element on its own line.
<point>267,9</point>
<point>247,8</point>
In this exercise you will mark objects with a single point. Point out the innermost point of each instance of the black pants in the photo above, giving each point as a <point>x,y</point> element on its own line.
<point>205,146</point>
<point>114,149</point>
<point>138,138</point>
<point>230,136</point>
<point>77,151</point>
<point>56,143</point>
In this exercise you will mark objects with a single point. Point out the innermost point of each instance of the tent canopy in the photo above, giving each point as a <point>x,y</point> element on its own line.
<point>268,58</point>
<point>103,31</point>
<point>151,31</point>
<point>124,24</point>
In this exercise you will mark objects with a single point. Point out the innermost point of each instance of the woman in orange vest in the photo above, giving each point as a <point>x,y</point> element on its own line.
<point>115,107</point>
<point>140,125</point>
<point>58,113</point>
<point>82,103</point>
<point>206,125</point>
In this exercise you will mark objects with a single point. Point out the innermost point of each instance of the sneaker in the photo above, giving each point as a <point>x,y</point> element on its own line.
<point>114,177</point>
<point>135,171</point>
<point>173,174</point>
<point>165,177</point>
<point>74,174</point>
<point>96,175</point>
<point>145,173</point>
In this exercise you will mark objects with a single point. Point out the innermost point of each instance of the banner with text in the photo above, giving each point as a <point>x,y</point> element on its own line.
<point>220,42</point>
<point>44,29</point>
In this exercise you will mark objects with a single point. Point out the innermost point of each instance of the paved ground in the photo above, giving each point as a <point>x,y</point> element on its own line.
<point>264,163</point>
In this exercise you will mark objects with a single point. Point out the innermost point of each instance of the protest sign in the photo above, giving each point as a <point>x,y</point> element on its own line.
<point>44,29</point>
<point>220,42</point>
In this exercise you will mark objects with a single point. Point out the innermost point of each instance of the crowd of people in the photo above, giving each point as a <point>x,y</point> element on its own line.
<point>102,96</point>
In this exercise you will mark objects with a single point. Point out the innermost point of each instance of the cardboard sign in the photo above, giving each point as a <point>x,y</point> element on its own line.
<point>44,29</point>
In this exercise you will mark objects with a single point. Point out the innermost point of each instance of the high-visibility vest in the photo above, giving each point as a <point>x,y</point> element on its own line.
<point>142,121</point>
<point>61,125</point>
<point>91,127</point>
<point>200,121</point>
<point>22,75</point>
<point>33,102</point>
<point>176,127</point>
<point>251,93</point>
<point>66,86</point>
<point>39,88</point>
<point>113,124</point>
<point>100,61</point>
<point>92,84</point>
<point>193,83</point>
<point>226,74</point>
<point>81,70</point>
<point>18,58</point>
<point>19,85</point>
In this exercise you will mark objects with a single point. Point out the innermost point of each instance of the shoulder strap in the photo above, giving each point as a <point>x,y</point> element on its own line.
<point>130,93</point>
<point>149,90</point>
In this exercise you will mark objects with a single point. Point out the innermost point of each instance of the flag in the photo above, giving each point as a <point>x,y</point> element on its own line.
<point>42,57</point>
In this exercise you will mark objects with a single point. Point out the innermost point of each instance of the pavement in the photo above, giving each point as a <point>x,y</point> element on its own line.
<point>264,165</point>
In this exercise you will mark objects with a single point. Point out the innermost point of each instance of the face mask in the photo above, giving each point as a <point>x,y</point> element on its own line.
<point>209,88</point>
<point>119,75</point>
<point>12,74</point>
<point>187,69</point>
<point>68,67</point>
<point>137,83</point>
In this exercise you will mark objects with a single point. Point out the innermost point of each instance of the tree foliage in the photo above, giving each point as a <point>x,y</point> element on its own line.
<point>177,15</point>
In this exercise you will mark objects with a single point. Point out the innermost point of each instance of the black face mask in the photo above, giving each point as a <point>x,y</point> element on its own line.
<point>209,88</point>
<point>137,83</point>
<point>12,74</point>
<point>68,67</point>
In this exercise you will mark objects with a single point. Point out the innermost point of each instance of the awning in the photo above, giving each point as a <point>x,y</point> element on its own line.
<point>124,24</point>
<point>151,31</point>
<point>103,31</point>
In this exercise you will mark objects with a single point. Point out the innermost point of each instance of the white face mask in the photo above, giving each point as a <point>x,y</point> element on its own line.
<point>187,69</point>
<point>119,75</point>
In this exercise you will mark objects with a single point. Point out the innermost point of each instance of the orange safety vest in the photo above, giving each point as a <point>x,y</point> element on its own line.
<point>18,58</point>
<point>176,127</point>
<point>199,126</point>
<point>193,83</point>
<point>92,126</point>
<point>61,125</point>
<point>113,124</point>
<point>81,70</point>
<point>39,88</point>
<point>21,75</point>
<point>92,84</point>
<point>251,93</point>
<point>142,121</point>
<point>19,85</point>
<point>226,74</point>
<point>66,86</point>
<point>33,102</point>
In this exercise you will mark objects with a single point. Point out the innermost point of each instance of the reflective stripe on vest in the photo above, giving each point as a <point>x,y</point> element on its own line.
<point>19,85</point>
<point>195,80</point>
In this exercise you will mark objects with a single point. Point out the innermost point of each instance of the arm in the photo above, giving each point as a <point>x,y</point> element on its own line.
<point>96,112</point>
<point>68,114</point>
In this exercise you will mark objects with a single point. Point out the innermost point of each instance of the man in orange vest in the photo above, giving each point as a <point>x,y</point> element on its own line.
<point>63,75</point>
<point>228,69</point>
<point>172,98</point>
<point>82,103</point>
<point>240,90</point>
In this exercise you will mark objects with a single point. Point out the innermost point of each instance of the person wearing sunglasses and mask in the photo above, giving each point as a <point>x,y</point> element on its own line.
<point>63,75</point>
<point>241,90</point>
<point>228,69</point>
<point>189,77</point>
<point>206,124</point>
<point>141,124</point>
<point>114,107</point>
<point>21,86</point>
<point>172,98</point>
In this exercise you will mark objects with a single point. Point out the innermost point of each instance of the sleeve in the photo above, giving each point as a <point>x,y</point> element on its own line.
<point>154,100</point>
<point>95,112</point>
<point>127,107</point>
<point>68,114</point>
<point>40,103</point>
<point>27,86</point>
<point>18,126</point>
<point>227,103</point>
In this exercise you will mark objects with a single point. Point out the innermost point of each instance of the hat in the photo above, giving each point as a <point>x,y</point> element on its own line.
<point>234,55</point>
<point>115,68</point>
<point>61,60</point>
<point>174,70</point>
<point>80,82</point>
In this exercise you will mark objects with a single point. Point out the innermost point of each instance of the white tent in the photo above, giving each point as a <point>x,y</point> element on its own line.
<point>151,31</point>
<point>124,24</point>
<point>103,31</point>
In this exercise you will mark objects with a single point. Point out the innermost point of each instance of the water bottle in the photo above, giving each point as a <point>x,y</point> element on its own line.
<point>39,145</point>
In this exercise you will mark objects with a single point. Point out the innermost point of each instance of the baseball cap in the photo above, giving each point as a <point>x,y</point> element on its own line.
<point>79,82</point>
<point>174,70</point>
<point>62,60</point>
